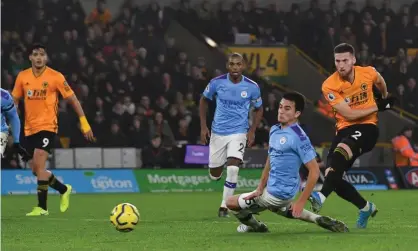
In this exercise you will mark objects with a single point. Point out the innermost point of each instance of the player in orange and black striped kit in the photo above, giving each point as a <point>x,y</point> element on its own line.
<point>350,92</point>
<point>39,87</point>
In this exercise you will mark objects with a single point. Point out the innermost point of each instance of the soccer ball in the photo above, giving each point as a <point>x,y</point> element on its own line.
<point>124,217</point>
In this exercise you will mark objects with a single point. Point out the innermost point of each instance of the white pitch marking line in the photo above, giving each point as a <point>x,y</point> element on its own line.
<point>290,223</point>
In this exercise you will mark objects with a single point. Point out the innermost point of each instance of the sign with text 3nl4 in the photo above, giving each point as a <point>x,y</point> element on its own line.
<point>272,60</point>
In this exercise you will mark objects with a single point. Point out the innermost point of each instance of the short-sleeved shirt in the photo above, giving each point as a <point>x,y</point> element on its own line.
<point>358,95</point>
<point>289,148</point>
<point>233,103</point>
<point>40,96</point>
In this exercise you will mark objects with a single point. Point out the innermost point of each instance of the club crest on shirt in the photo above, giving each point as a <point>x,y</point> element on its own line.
<point>363,86</point>
<point>45,85</point>
<point>282,140</point>
<point>331,96</point>
<point>244,94</point>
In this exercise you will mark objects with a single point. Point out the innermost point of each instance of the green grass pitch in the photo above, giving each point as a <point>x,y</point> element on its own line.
<point>188,221</point>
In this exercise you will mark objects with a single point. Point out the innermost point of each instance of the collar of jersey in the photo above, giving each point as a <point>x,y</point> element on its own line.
<point>280,126</point>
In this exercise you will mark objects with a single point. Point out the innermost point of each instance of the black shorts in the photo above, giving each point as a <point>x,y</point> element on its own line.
<point>364,137</point>
<point>41,140</point>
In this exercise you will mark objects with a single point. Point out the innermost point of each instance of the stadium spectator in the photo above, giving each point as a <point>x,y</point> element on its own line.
<point>138,134</point>
<point>156,156</point>
<point>116,138</point>
<point>405,149</point>
<point>159,126</point>
<point>99,15</point>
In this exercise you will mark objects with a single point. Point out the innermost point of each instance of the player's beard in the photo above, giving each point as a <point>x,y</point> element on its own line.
<point>346,74</point>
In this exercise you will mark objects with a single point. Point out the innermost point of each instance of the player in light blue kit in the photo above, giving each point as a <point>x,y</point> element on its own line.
<point>8,110</point>
<point>235,95</point>
<point>289,147</point>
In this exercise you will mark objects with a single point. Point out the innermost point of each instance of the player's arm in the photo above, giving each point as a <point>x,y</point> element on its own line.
<point>380,83</point>
<point>203,108</point>
<point>68,94</point>
<point>263,181</point>
<point>307,154</point>
<point>264,175</point>
<point>338,103</point>
<point>207,95</point>
<point>313,176</point>
<point>257,103</point>
<point>13,118</point>
<point>84,124</point>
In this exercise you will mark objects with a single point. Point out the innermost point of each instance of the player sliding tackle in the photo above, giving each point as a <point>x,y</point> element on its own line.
<point>235,94</point>
<point>289,147</point>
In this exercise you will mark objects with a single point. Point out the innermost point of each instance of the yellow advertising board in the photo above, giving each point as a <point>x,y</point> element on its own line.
<point>273,60</point>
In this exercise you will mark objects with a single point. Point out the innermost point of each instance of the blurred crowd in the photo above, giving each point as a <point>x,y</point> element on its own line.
<point>139,91</point>
<point>135,87</point>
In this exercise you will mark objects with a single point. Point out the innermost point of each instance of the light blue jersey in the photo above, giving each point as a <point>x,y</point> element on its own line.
<point>8,110</point>
<point>289,148</point>
<point>233,102</point>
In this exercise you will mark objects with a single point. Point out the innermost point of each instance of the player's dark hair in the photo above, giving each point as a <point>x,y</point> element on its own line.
<point>343,48</point>
<point>36,47</point>
<point>297,98</point>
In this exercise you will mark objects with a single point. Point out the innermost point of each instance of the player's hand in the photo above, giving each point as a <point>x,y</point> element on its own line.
<point>204,134</point>
<point>89,136</point>
<point>250,138</point>
<point>297,208</point>
<point>255,194</point>
<point>21,151</point>
<point>386,104</point>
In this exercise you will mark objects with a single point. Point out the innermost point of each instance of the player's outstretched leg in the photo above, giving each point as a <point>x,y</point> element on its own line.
<point>322,221</point>
<point>340,162</point>
<point>244,214</point>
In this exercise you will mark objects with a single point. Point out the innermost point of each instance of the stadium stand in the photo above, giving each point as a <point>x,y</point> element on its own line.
<point>137,88</point>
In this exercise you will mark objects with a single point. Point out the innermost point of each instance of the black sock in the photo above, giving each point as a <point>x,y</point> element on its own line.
<point>340,162</point>
<point>349,193</point>
<point>42,193</point>
<point>56,184</point>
